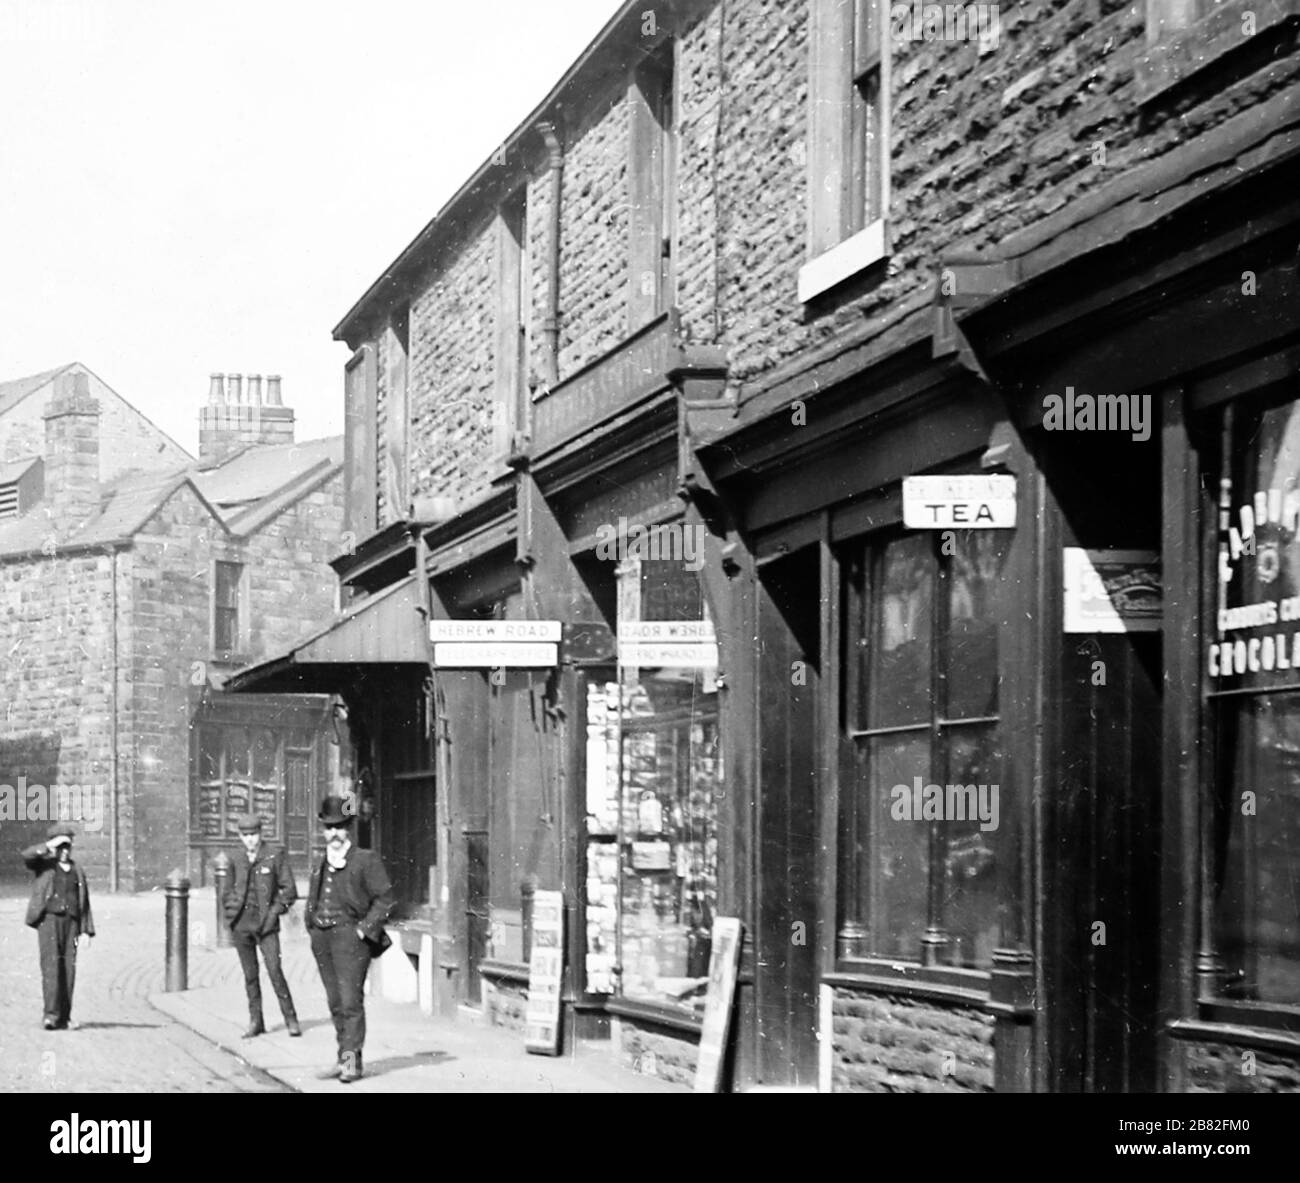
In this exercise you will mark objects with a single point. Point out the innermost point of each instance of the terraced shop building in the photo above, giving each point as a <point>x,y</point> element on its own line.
<point>741,274</point>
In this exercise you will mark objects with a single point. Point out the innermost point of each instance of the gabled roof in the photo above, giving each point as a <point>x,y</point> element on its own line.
<point>242,494</point>
<point>11,470</point>
<point>16,389</point>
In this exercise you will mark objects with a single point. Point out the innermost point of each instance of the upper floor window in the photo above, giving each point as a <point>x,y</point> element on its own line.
<point>652,183</point>
<point>227,602</point>
<point>922,756</point>
<point>848,142</point>
<point>510,388</point>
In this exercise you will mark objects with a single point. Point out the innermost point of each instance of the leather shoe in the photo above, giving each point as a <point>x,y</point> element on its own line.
<point>291,1025</point>
<point>50,1025</point>
<point>253,1029</point>
<point>350,1068</point>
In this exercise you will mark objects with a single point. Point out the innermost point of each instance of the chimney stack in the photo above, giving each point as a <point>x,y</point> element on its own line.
<point>71,452</point>
<point>229,422</point>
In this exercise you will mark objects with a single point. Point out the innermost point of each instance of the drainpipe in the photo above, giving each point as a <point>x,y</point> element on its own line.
<point>113,869</point>
<point>551,321</point>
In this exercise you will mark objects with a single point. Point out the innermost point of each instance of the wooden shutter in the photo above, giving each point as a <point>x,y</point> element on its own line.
<point>360,476</point>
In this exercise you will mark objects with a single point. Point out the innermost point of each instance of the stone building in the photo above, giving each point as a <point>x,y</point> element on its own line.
<point>132,579</point>
<point>659,373</point>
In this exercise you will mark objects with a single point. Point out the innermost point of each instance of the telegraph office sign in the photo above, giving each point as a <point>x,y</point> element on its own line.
<point>974,501</point>
<point>495,644</point>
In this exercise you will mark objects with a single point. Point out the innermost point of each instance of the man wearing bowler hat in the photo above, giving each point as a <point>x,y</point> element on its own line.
<point>59,910</point>
<point>259,891</point>
<point>348,901</point>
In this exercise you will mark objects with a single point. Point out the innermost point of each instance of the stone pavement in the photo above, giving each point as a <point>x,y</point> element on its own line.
<point>122,1044</point>
<point>406,1051</point>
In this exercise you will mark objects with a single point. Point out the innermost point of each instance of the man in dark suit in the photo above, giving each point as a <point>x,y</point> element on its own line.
<point>259,891</point>
<point>348,901</point>
<point>59,910</point>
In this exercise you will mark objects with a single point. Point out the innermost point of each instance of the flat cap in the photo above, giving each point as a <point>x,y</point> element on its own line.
<point>249,823</point>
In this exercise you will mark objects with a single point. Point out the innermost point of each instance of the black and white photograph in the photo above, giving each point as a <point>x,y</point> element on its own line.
<point>664,547</point>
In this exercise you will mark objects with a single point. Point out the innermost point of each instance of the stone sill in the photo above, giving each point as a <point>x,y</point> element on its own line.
<point>1204,1031</point>
<point>842,262</point>
<point>506,971</point>
<point>1177,58</point>
<point>654,1014</point>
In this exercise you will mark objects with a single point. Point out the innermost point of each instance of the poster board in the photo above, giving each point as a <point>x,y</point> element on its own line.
<point>545,975</point>
<point>1112,591</point>
<point>723,964</point>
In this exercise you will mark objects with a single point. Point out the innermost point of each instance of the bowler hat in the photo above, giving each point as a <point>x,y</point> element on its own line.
<point>336,811</point>
<point>60,830</point>
<point>249,823</point>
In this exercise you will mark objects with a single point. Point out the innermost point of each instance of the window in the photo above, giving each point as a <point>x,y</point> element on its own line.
<point>397,493</point>
<point>654,770</point>
<point>652,184</point>
<point>239,770</point>
<point>1253,663</point>
<point>849,143</point>
<point>512,323</point>
<point>922,807</point>
<point>227,639</point>
<point>361,491</point>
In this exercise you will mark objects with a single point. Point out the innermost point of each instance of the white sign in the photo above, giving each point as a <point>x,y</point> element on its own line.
<point>667,656</point>
<point>959,502</point>
<point>494,630</point>
<point>1112,591</point>
<point>545,975</point>
<point>475,655</point>
<point>694,631</point>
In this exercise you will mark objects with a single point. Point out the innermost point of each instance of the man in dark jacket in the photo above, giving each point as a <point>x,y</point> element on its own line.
<point>348,901</point>
<point>59,910</point>
<point>259,891</point>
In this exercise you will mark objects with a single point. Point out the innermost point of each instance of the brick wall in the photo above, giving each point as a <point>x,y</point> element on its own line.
<point>291,585</point>
<point>453,319</point>
<point>55,696</point>
<point>654,1052</point>
<point>127,440</point>
<point>167,633</point>
<point>1221,1068</point>
<point>894,1044</point>
<point>593,235</point>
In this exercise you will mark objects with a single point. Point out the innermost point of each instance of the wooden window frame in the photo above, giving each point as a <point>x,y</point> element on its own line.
<point>652,187</point>
<point>241,609</point>
<point>510,387</point>
<point>849,131</point>
<point>854,945</point>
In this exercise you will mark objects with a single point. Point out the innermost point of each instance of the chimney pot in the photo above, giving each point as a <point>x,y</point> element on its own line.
<point>235,388</point>
<point>217,390</point>
<point>273,391</point>
<point>255,389</point>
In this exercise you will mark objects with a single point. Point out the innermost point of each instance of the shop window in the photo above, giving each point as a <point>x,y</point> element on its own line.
<point>849,142</point>
<point>923,806</point>
<point>239,769</point>
<point>654,770</point>
<point>1253,667</point>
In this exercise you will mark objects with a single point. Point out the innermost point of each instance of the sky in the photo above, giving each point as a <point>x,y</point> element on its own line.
<point>189,188</point>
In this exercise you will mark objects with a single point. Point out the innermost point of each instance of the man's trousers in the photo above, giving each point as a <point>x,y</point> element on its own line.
<point>57,937</point>
<point>343,959</point>
<point>246,945</point>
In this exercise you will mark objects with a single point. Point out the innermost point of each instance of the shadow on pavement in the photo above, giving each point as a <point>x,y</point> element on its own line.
<point>117,1026</point>
<point>397,1063</point>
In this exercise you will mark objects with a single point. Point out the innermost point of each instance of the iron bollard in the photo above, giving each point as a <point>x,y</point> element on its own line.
<point>177,890</point>
<point>220,881</point>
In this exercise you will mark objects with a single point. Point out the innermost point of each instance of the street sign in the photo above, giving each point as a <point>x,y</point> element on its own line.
<point>668,644</point>
<point>493,655</point>
<point>967,502</point>
<point>495,644</point>
<point>494,630</point>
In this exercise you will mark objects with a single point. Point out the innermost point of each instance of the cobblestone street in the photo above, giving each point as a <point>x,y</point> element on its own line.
<point>122,1043</point>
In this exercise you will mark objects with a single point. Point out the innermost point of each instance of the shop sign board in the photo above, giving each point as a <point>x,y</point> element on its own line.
<point>724,961</point>
<point>668,644</point>
<point>545,975</point>
<point>495,644</point>
<point>964,502</point>
<point>1112,591</point>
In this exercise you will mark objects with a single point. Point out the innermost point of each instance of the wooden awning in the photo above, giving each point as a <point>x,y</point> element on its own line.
<point>384,630</point>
